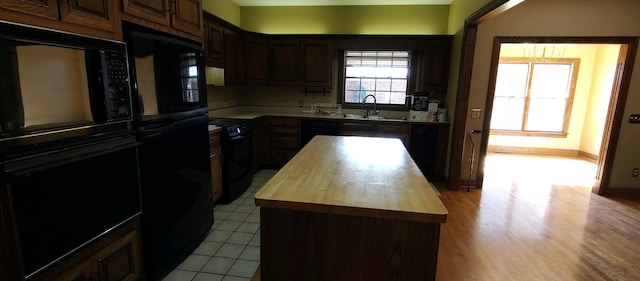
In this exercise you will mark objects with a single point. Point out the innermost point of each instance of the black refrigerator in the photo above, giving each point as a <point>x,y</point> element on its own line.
<point>170,116</point>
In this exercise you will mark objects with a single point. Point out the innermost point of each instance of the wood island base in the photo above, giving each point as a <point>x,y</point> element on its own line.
<point>301,245</point>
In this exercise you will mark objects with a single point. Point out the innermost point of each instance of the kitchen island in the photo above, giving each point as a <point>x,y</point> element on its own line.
<point>349,208</point>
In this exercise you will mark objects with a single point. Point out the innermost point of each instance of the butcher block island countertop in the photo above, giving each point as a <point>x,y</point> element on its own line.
<point>349,208</point>
<point>371,177</point>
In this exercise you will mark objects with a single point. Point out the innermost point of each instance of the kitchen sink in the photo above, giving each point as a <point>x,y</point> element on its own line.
<point>371,117</point>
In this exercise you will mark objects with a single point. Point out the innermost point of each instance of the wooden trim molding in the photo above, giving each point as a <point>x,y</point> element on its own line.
<point>544,151</point>
<point>588,156</point>
<point>626,192</point>
<point>533,150</point>
<point>469,35</point>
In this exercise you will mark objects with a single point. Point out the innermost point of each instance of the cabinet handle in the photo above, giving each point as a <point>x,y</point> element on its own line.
<point>172,7</point>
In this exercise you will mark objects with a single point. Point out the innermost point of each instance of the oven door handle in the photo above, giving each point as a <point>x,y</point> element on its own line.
<point>24,167</point>
<point>236,138</point>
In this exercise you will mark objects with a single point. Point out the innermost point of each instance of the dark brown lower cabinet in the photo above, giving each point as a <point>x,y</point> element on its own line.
<point>300,245</point>
<point>114,257</point>
<point>284,140</point>
<point>377,129</point>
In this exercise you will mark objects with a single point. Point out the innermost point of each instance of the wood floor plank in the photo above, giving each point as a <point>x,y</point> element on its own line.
<point>528,228</point>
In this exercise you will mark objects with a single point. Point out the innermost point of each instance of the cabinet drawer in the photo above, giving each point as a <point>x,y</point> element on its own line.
<point>394,128</point>
<point>349,127</point>
<point>283,122</point>
<point>284,131</point>
<point>284,142</point>
<point>281,156</point>
<point>214,138</point>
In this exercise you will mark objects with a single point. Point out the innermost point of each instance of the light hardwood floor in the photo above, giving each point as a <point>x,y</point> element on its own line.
<point>537,219</point>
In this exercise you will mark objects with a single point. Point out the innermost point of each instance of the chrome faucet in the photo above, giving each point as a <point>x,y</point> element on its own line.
<point>364,100</point>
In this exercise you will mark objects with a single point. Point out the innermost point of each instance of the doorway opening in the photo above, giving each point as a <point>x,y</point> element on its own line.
<point>556,96</point>
<point>549,110</point>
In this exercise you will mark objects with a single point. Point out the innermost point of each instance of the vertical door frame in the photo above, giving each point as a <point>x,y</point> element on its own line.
<point>469,35</point>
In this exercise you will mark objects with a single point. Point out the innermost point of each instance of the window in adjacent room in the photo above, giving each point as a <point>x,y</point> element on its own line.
<point>534,98</point>
<point>384,74</point>
<point>189,78</point>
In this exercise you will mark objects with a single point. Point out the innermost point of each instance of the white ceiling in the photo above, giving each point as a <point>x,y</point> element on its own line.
<point>338,2</point>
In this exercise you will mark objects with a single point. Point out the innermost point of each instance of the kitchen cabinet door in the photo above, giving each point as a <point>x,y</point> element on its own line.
<point>317,63</point>
<point>284,139</point>
<point>180,17</point>
<point>91,17</point>
<point>95,13</point>
<point>187,16</point>
<point>214,46</point>
<point>260,144</point>
<point>152,10</point>
<point>257,52</point>
<point>42,8</point>
<point>233,57</point>
<point>285,56</point>
<point>434,68</point>
<point>301,62</point>
<point>120,261</point>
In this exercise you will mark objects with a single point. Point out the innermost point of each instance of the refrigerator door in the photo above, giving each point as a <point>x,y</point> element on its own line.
<point>177,206</point>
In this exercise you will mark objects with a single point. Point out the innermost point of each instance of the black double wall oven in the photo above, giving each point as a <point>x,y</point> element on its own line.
<point>170,116</point>
<point>68,156</point>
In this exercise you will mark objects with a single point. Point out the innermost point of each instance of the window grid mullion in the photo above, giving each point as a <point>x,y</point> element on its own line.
<point>527,99</point>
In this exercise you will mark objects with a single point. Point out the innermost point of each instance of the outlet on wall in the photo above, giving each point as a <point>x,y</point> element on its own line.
<point>475,113</point>
<point>300,103</point>
<point>634,173</point>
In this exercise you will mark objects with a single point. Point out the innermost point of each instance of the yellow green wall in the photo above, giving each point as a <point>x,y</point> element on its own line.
<point>224,9</point>
<point>346,19</point>
<point>458,12</point>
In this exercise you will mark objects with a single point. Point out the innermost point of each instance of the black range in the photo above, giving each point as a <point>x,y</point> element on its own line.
<point>237,151</point>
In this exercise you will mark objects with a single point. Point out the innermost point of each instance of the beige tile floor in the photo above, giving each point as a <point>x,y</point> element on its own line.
<point>231,252</point>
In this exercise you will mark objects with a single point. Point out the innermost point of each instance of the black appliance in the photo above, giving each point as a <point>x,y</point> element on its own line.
<point>236,141</point>
<point>68,158</point>
<point>311,128</point>
<point>170,107</point>
<point>54,203</point>
<point>424,139</point>
<point>57,86</point>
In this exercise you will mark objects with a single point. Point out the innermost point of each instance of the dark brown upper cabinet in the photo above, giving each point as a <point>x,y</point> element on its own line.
<point>181,17</point>
<point>234,57</point>
<point>92,17</point>
<point>214,44</point>
<point>257,53</point>
<point>224,47</point>
<point>301,62</point>
<point>434,68</point>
